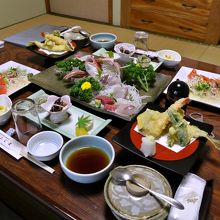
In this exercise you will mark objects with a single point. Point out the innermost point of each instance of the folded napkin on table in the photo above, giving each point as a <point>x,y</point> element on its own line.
<point>189,193</point>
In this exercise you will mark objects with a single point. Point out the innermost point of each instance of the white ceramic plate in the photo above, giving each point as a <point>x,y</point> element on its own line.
<point>67,128</point>
<point>182,75</point>
<point>19,82</point>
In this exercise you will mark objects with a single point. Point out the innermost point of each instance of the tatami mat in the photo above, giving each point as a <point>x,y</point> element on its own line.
<point>190,49</point>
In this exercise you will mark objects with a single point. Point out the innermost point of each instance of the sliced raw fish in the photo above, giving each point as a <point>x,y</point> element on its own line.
<point>105,99</point>
<point>75,74</point>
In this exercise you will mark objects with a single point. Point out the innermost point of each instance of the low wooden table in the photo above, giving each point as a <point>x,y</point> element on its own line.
<point>34,193</point>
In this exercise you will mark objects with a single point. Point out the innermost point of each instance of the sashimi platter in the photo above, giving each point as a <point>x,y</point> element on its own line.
<point>105,84</point>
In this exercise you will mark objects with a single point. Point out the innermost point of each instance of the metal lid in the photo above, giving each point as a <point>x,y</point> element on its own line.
<point>128,206</point>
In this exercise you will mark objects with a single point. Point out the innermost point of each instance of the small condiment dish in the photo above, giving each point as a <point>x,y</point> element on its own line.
<point>80,158</point>
<point>103,40</point>
<point>125,51</point>
<point>57,108</point>
<point>169,58</point>
<point>5,108</point>
<point>45,145</point>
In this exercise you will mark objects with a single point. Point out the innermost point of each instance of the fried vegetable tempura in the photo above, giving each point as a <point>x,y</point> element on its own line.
<point>172,121</point>
<point>152,122</point>
<point>53,43</point>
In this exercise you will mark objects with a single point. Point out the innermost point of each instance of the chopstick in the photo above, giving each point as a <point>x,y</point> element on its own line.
<point>37,162</point>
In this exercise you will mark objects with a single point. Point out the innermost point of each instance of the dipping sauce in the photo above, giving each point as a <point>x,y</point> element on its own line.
<point>87,160</point>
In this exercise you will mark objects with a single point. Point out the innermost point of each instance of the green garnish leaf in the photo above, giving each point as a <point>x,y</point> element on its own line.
<point>68,65</point>
<point>135,74</point>
<point>87,94</point>
<point>110,54</point>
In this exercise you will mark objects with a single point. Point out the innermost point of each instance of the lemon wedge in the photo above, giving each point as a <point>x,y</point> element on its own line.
<point>81,131</point>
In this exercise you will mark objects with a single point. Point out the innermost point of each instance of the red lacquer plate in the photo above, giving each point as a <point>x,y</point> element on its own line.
<point>163,153</point>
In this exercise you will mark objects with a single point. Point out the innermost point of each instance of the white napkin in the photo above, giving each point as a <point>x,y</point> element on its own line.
<point>189,193</point>
<point>52,52</point>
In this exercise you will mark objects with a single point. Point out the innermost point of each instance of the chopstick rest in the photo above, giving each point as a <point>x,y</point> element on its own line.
<point>189,193</point>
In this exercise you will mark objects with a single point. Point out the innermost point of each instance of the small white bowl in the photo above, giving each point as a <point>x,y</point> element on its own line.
<point>7,103</point>
<point>125,51</point>
<point>170,58</point>
<point>103,40</point>
<point>45,145</point>
<point>86,141</point>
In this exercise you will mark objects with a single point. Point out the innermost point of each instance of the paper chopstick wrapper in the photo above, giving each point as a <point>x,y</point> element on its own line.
<point>18,150</point>
<point>10,145</point>
<point>189,193</point>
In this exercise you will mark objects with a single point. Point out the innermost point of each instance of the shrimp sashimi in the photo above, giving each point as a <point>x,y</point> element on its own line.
<point>202,85</point>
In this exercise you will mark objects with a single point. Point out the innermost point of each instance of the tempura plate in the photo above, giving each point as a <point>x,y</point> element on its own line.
<point>183,160</point>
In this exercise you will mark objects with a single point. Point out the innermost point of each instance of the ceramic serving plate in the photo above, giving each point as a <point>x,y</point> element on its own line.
<point>180,162</point>
<point>53,55</point>
<point>17,81</point>
<point>210,100</point>
<point>61,88</point>
<point>75,45</point>
<point>67,128</point>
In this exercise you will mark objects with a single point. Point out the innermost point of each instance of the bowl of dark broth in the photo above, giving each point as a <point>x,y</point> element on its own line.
<point>87,159</point>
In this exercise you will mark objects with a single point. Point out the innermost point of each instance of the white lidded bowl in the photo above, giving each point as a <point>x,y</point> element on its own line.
<point>45,145</point>
<point>170,58</point>
<point>132,203</point>
<point>85,141</point>
<point>5,114</point>
<point>103,40</point>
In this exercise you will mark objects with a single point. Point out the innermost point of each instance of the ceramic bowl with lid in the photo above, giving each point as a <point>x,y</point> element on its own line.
<point>125,204</point>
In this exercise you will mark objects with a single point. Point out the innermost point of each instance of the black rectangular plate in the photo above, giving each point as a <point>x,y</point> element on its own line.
<point>178,166</point>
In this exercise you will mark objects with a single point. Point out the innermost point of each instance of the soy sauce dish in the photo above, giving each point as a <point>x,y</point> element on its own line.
<point>45,145</point>
<point>87,159</point>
